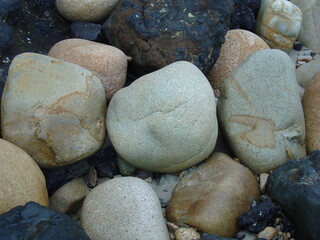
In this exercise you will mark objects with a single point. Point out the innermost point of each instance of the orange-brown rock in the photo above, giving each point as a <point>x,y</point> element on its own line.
<point>213,196</point>
<point>106,62</point>
<point>239,45</point>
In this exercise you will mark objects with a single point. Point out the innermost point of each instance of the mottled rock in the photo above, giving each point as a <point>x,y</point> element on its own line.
<point>295,186</point>
<point>107,63</point>
<point>260,111</point>
<point>86,30</point>
<point>165,121</point>
<point>34,221</point>
<point>226,188</point>
<point>21,179</point>
<point>58,128</point>
<point>186,234</point>
<point>86,10</point>
<point>123,208</point>
<point>279,23</point>
<point>307,71</point>
<point>70,196</point>
<point>239,45</point>
<point>156,33</point>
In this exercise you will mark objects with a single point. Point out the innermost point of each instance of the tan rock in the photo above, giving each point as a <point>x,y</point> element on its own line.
<point>311,103</point>
<point>263,181</point>
<point>106,62</point>
<point>21,180</point>
<point>70,196</point>
<point>239,45</point>
<point>186,234</point>
<point>268,233</point>
<point>212,197</point>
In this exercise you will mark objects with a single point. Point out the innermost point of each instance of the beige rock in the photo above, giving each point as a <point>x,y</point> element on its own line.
<point>52,109</point>
<point>106,62</point>
<point>212,197</point>
<point>239,45</point>
<point>307,71</point>
<point>21,179</point>
<point>311,103</point>
<point>263,182</point>
<point>268,233</point>
<point>86,10</point>
<point>186,234</point>
<point>70,196</point>
<point>279,23</point>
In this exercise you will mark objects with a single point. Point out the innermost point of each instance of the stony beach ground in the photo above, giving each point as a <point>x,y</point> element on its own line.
<point>134,119</point>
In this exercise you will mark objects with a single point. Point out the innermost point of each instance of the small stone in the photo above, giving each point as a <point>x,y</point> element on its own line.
<point>247,235</point>
<point>206,236</point>
<point>70,196</point>
<point>86,30</point>
<point>102,180</point>
<point>172,227</point>
<point>297,46</point>
<point>263,181</point>
<point>307,71</point>
<point>93,177</point>
<point>268,233</point>
<point>125,168</point>
<point>186,234</point>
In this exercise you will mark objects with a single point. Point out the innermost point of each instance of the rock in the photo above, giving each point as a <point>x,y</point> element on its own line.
<point>21,179</point>
<point>123,208</point>
<point>33,221</point>
<point>310,103</point>
<point>226,188</point>
<point>279,23</point>
<point>268,233</point>
<point>244,15</point>
<point>186,234</point>
<point>125,168</point>
<point>70,196</point>
<point>58,128</point>
<point>246,235</point>
<point>295,187</point>
<point>8,6</point>
<point>263,182</point>
<point>215,237</point>
<point>307,71</point>
<point>164,121</point>
<point>263,133</point>
<point>309,33</point>
<point>239,45</point>
<point>156,33</point>
<point>6,35</point>
<point>86,30</point>
<point>107,63</point>
<point>86,10</point>
<point>259,216</point>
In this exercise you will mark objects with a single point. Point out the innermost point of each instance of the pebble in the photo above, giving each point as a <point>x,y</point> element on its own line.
<point>186,234</point>
<point>268,233</point>
<point>86,30</point>
<point>263,181</point>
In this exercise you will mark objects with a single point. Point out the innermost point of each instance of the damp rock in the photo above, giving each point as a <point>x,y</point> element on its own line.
<point>86,30</point>
<point>6,35</point>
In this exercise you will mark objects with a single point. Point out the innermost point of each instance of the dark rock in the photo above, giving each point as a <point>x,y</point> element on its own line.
<point>297,46</point>
<point>34,221</point>
<point>245,14</point>
<point>156,33</point>
<point>86,30</point>
<point>206,236</point>
<point>7,6</point>
<point>6,35</point>
<point>295,186</point>
<point>259,216</point>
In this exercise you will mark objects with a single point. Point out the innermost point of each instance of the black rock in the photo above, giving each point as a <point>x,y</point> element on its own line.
<point>156,33</point>
<point>206,236</point>
<point>259,216</point>
<point>6,35</point>
<point>295,186</point>
<point>86,30</point>
<point>36,222</point>
<point>7,6</point>
<point>245,14</point>
<point>297,46</point>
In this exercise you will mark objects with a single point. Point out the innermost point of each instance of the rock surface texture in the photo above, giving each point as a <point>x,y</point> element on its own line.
<point>295,186</point>
<point>33,221</point>
<point>212,197</point>
<point>123,209</point>
<point>156,33</point>
<point>239,45</point>
<point>165,121</point>
<point>54,110</point>
<point>307,71</point>
<point>21,179</point>
<point>263,134</point>
<point>106,62</point>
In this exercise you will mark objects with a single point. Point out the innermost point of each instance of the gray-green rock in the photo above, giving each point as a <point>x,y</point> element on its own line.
<point>307,71</point>
<point>261,113</point>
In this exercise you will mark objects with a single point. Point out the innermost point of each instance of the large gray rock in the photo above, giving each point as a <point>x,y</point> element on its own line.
<point>261,113</point>
<point>166,120</point>
<point>52,109</point>
<point>307,71</point>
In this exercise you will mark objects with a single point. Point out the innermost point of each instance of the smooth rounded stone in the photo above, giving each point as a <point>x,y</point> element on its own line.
<point>106,62</point>
<point>123,208</point>
<point>34,221</point>
<point>279,23</point>
<point>70,196</point>
<point>310,103</point>
<point>309,33</point>
<point>156,33</point>
<point>307,71</point>
<point>86,30</point>
<point>295,187</point>
<point>86,10</point>
<point>164,121</point>
<point>239,45</point>
<point>186,234</point>
<point>261,113</point>
<point>21,179</point>
<point>227,189</point>
<point>52,109</point>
